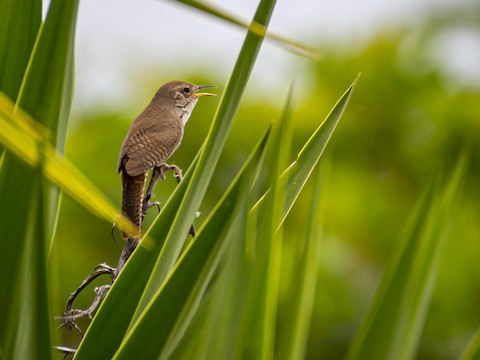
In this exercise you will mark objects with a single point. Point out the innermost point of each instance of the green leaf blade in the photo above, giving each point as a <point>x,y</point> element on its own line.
<point>299,171</point>
<point>46,92</point>
<point>266,270</point>
<point>19,24</point>
<point>293,339</point>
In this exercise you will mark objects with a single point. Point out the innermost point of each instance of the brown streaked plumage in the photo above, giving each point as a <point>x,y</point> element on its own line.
<point>152,138</point>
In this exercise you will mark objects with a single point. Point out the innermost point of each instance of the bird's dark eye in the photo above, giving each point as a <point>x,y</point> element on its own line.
<point>186,90</point>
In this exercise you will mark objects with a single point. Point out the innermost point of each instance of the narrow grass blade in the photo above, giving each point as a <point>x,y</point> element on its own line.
<point>47,88</point>
<point>220,328</point>
<point>256,28</point>
<point>300,170</point>
<point>209,157</point>
<point>19,24</point>
<point>392,328</point>
<point>113,318</point>
<point>46,91</point>
<point>472,351</point>
<point>269,242</point>
<point>14,209</point>
<point>258,325</point>
<point>294,335</point>
<point>30,329</point>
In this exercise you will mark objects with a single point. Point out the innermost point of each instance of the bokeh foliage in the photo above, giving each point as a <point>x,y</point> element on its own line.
<point>407,123</point>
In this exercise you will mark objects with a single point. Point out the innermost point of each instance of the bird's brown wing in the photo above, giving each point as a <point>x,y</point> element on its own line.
<point>147,148</point>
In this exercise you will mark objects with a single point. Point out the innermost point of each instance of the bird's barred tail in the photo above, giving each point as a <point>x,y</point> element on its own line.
<point>132,208</point>
<point>132,198</point>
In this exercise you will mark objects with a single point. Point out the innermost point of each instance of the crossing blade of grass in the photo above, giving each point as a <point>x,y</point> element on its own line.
<point>214,144</point>
<point>25,203</point>
<point>393,326</point>
<point>188,280</point>
<point>29,141</point>
<point>111,323</point>
<point>19,23</point>
<point>255,27</point>
<point>293,339</point>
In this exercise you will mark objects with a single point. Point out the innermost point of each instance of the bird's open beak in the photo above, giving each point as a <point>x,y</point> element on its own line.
<point>204,93</point>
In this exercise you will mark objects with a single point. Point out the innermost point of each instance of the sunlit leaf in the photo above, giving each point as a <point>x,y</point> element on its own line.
<point>29,141</point>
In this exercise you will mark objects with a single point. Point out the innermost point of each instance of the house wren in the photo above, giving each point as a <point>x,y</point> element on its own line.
<point>152,138</point>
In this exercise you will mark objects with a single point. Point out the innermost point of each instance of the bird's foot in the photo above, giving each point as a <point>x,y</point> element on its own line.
<point>147,204</point>
<point>159,171</point>
<point>70,314</point>
<point>177,172</point>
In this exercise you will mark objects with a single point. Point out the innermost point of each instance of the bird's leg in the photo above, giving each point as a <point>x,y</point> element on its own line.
<point>178,175</point>
<point>149,194</point>
<point>158,171</point>
<point>70,315</point>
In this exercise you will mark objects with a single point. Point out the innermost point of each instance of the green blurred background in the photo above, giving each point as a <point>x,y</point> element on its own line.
<point>413,113</point>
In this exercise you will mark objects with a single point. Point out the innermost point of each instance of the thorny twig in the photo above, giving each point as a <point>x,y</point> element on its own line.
<point>70,314</point>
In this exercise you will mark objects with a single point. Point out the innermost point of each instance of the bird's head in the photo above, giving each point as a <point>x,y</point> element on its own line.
<point>183,95</point>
